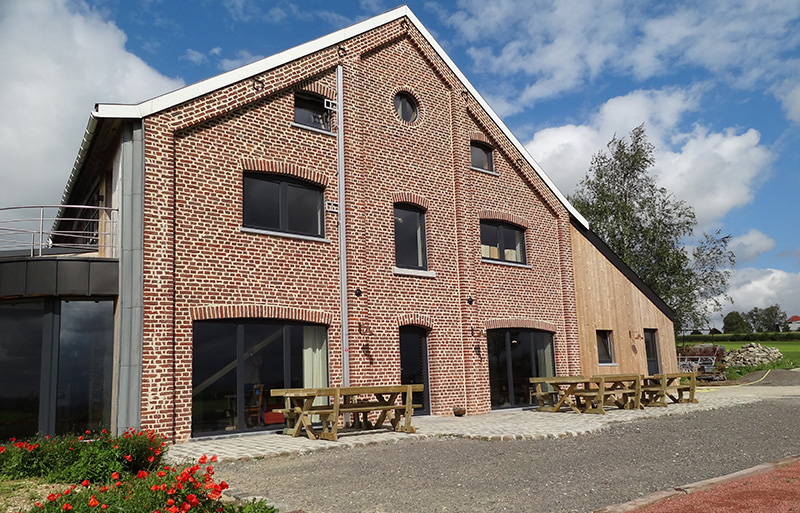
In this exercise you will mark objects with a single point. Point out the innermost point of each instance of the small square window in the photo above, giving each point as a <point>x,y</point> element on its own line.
<point>279,203</point>
<point>481,156</point>
<point>309,110</point>
<point>502,241</point>
<point>409,237</point>
<point>605,347</point>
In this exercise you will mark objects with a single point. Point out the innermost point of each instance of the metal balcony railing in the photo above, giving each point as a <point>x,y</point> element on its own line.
<point>48,229</point>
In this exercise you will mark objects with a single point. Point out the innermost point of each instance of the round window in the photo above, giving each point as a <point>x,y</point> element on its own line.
<point>406,107</point>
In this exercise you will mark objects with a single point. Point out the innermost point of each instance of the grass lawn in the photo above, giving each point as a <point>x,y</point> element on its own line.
<point>789,349</point>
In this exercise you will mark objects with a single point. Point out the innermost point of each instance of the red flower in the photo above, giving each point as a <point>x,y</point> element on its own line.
<point>66,506</point>
<point>170,502</point>
<point>214,458</point>
<point>192,499</point>
<point>115,475</point>
<point>93,502</point>
<point>2,449</point>
<point>85,483</point>
<point>161,473</point>
<point>142,475</point>
<point>185,506</point>
<point>88,431</point>
<point>150,459</point>
<point>104,488</point>
<point>155,488</point>
<point>203,459</point>
<point>104,506</point>
<point>128,457</point>
<point>53,496</point>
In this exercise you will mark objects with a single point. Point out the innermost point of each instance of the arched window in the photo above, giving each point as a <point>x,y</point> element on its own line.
<point>409,237</point>
<point>481,155</point>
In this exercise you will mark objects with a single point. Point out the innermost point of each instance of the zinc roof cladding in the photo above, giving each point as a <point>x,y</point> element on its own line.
<point>184,94</point>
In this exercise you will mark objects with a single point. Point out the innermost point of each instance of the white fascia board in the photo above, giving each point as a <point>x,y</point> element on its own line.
<point>508,133</point>
<point>193,91</point>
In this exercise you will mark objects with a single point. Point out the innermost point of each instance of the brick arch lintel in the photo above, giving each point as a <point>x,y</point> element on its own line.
<point>317,88</point>
<point>252,311</point>
<point>415,319</point>
<point>499,215</point>
<point>519,322</point>
<point>480,137</point>
<point>411,197</point>
<point>284,168</point>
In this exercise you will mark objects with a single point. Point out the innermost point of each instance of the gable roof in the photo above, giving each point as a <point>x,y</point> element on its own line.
<point>190,92</point>
<point>794,318</point>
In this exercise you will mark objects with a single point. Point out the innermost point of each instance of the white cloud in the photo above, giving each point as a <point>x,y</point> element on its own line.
<point>58,61</point>
<point>713,172</point>
<point>242,57</point>
<point>791,103</point>
<point>566,45</point>
<point>761,288</point>
<point>195,57</point>
<point>750,246</point>
<point>794,254</point>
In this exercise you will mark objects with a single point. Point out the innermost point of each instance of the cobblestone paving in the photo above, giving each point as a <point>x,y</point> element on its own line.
<point>500,425</point>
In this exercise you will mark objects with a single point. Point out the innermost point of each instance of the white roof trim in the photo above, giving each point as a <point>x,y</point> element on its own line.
<point>171,99</point>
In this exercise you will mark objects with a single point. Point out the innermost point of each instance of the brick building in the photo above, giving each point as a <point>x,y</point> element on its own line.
<point>349,211</point>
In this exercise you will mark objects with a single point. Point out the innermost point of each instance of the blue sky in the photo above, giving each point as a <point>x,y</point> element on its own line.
<point>716,82</point>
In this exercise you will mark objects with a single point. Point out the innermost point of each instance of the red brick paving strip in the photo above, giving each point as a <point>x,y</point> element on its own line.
<point>770,492</point>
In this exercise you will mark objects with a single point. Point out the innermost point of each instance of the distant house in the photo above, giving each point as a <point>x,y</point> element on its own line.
<point>794,323</point>
<point>349,211</point>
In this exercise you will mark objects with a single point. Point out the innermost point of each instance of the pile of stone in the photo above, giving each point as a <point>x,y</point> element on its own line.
<point>751,354</point>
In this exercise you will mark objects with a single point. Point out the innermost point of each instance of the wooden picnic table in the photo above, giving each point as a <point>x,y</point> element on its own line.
<point>359,401</point>
<point>588,395</point>
<point>657,388</point>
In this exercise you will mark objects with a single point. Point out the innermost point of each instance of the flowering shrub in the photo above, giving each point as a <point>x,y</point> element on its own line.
<point>122,473</point>
<point>91,456</point>
<point>166,490</point>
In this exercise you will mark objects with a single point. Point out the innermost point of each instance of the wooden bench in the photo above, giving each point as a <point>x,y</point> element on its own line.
<point>657,388</point>
<point>358,401</point>
<point>587,395</point>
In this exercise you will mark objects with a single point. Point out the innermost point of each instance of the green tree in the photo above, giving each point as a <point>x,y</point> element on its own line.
<point>771,318</point>
<point>646,226</point>
<point>735,323</point>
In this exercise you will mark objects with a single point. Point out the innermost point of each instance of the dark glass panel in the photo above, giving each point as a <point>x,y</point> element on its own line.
<point>409,238</point>
<point>406,107</point>
<point>214,367</point>
<point>85,366</point>
<point>498,368</point>
<point>513,244</point>
<point>262,364</point>
<point>414,362</point>
<point>604,353</point>
<point>651,350</point>
<point>20,368</point>
<point>311,111</point>
<point>481,157</point>
<point>521,365</point>
<point>490,241</point>
<point>261,208</point>
<point>304,205</point>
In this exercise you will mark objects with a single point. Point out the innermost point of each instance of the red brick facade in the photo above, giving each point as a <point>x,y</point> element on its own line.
<point>200,264</point>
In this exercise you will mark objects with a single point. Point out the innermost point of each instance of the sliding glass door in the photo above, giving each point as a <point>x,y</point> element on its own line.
<point>515,356</point>
<point>237,362</point>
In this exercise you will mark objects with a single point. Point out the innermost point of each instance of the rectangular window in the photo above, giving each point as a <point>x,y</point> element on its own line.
<point>282,204</point>
<point>409,237</point>
<point>309,110</point>
<point>605,347</point>
<point>481,156</point>
<point>503,242</point>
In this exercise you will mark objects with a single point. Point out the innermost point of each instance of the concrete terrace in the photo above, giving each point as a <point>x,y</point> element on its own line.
<point>501,425</point>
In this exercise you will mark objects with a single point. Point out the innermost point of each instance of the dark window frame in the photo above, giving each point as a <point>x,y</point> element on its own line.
<point>501,228</point>
<point>421,236</point>
<point>488,153</point>
<point>605,347</point>
<point>312,110</point>
<point>284,183</point>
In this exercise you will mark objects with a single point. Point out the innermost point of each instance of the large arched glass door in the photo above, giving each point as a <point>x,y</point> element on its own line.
<point>236,362</point>
<point>514,356</point>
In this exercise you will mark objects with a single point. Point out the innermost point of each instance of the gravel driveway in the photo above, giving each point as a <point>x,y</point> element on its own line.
<point>579,474</point>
